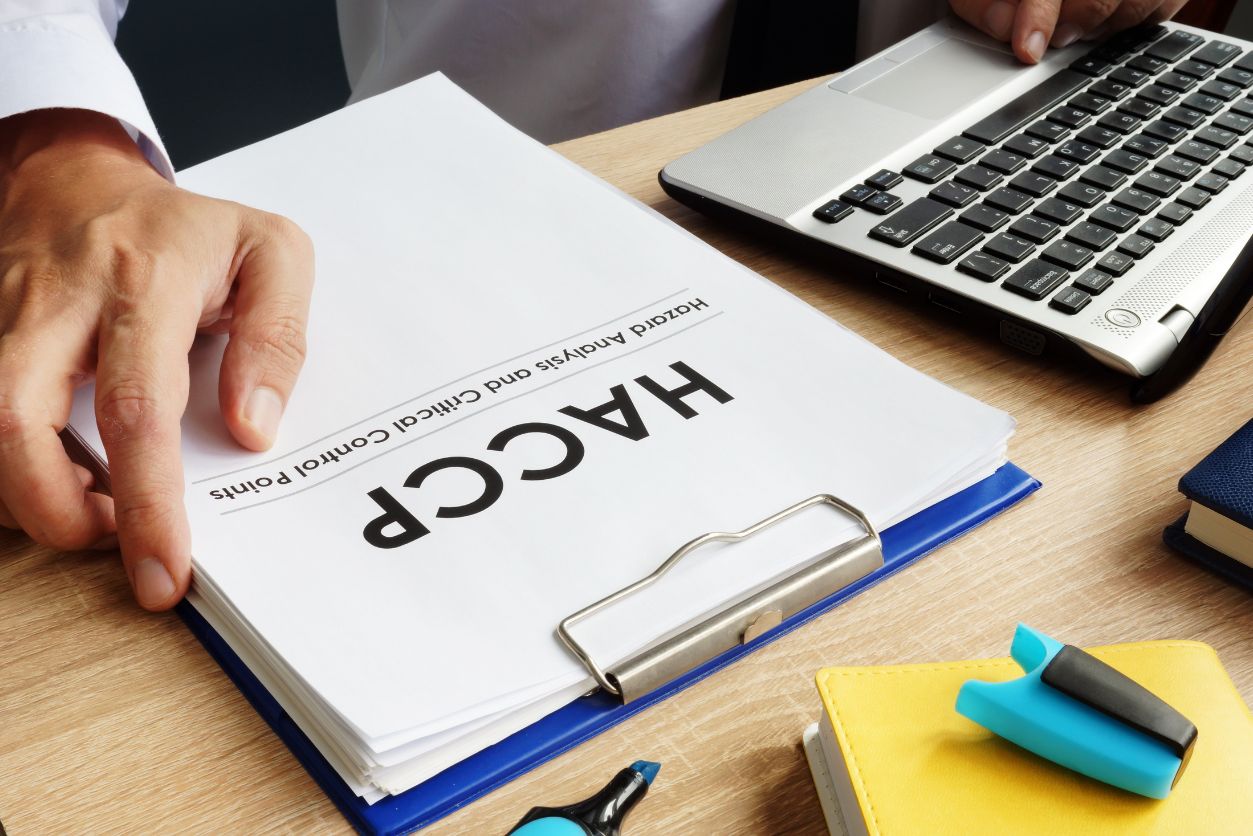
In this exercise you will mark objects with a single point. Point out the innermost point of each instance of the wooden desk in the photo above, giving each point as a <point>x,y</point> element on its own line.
<point>114,721</point>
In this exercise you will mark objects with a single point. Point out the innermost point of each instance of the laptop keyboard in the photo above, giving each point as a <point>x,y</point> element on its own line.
<point>1058,193</point>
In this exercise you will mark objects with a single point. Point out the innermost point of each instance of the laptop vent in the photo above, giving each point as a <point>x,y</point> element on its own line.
<point>1023,339</point>
<point>1151,295</point>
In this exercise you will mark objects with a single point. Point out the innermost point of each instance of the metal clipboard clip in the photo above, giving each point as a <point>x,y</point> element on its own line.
<point>744,620</point>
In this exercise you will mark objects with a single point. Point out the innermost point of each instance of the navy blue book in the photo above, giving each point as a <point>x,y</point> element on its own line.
<point>1217,531</point>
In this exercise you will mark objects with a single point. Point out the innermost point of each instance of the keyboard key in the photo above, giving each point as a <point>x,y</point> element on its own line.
<point>1080,152</point>
<point>1193,197</point>
<point>929,168</point>
<point>1155,229</point>
<point>911,222</point>
<point>1123,123</point>
<point>1105,178</point>
<point>1242,155</point>
<point>1114,217</point>
<point>884,179</point>
<point>1175,213</point>
<point>1177,81</point>
<point>1009,247</point>
<point>954,194</point>
<point>1092,65</point>
<point>1221,90</point>
<point>982,216</point>
<point>1204,103</point>
<point>1009,200</point>
<point>959,149</point>
<point>1070,117</point>
<point>1211,182</point>
<point>1228,168</point>
<point>1081,193</point>
<point>1129,76</point>
<point>1221,137</point>
<point>1234,122</point>
<point>1175,45</point>
<point>1003,161</point>
<point>1218,53</point>
<point>1140,108</point>
<point>881,203</point>
<point>1089,103</point>
<point>1185,116</point>
<point>1093,281</point>
<point>978,177</point>
<point>1034,229</point>
<point>1148,64</point>
<point>1012,116</point>
<point>1115,263</point>
<point>1234,75</point>
<point>1195,69</point>
<point>1158,95</point>
<point>1056,167</point>
<point>1136,246</point>
<point>1108,89</point>
<point>832,211</point>
<point>1125,161</point>
<point>1035,279</point>
<point>859,194</point>
<point>1048,131</point>
<point>1178,167</point>
<point>1146,145</point>
<point>1168,131</point>
<point>1246,62</point>
<point>983,266</point>
<point>1068,254</point>
<point>1090,235</point>
<point>1201,152</point>
<point>1026,146</point>
<point>1057,210</point>
<point>1070,300</point>
<point>1136,200</point>
<point>1100,137</point>
<point>1036,185</point>
<point>948,242</point>
<point>1162,185</point>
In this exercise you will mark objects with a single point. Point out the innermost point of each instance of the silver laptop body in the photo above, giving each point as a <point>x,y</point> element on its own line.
<point>894,108</point>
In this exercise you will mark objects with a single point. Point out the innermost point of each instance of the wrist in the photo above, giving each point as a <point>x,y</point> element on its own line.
<point>61,133</point>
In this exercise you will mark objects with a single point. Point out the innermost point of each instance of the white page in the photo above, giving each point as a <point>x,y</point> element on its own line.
<point>452,251</point>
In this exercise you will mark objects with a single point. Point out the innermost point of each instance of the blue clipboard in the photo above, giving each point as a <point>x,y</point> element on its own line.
<point>588,716</point>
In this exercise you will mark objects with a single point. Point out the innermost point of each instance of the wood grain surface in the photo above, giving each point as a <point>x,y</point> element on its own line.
<point>113,721</point>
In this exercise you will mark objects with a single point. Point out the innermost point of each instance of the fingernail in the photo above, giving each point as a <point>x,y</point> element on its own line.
<point>1066,35</point>
<point>263,411</point>
<point>1035,45</point>
<point>153,585</point>
<point>999,19</point>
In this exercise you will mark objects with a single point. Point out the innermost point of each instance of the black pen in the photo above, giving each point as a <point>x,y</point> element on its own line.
<point>1220,313</point>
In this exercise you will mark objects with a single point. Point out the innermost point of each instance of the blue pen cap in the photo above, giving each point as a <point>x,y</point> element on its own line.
<point>1078,712</point>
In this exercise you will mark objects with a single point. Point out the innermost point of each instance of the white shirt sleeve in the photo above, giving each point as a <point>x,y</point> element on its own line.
<point>60,53</point>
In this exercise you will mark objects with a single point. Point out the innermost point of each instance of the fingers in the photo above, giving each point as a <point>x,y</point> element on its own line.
<point>995,18</point>
<point>267,329</point>
<point>1131,12</point>
<point>141,393</point>
<point>1033,28</point>
<point>1081,19</point>
<point>41,491</point>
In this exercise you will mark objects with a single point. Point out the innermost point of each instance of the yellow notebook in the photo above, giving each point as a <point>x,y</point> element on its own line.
<point>891,756</point>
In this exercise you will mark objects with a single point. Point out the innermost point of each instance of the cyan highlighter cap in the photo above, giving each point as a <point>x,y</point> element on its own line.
<point>1079,712</point>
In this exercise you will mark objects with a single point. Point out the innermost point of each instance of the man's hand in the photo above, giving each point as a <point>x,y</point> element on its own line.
<point>1033,25</point>
<point>107,269</point>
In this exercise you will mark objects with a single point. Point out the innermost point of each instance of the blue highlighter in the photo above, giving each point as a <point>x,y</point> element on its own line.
<point>600,815</point>
<point>1078,712</point>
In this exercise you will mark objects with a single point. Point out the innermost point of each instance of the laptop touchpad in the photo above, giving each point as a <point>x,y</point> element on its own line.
<point>944,79</point>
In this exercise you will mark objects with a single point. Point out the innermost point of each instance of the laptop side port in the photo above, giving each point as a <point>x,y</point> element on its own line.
<point>1022,338</point>
<point>948,303</point>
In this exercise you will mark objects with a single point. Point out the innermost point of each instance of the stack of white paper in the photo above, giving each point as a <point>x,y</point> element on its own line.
<point>524,391</point>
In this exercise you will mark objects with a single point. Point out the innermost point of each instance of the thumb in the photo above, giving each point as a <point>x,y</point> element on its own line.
<point>1033,28</point>
<point>267,328</point>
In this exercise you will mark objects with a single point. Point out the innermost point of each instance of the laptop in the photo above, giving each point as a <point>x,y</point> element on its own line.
<point>1096,204</point>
